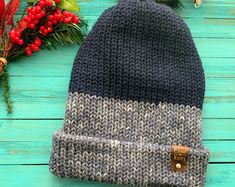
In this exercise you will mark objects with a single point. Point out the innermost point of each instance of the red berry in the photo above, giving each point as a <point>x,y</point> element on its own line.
<point>57,1</point>
<point>67,20</point>
<point>58,10</point>
<point>41,4</point>
<point>61,19</point>
<point>43,13</point>
<point>35,22</point>
<point>56,16</point>
<point>37,42</point>
<point>20,42</point>
<point>29,20</point>
<point>59,16</point>
<point>66,14</point>
<point>26,18</point>
<point>32,46</point>
<point>75,20</point>
<point>16,39</point>
<point>29,10</point>
<point>29,52</point>
<point>35,48</point>
<point>42,28</point>
<point>50,17</point>
<point>32,26</point>
<point>38,9</point>
<point>49,23</point>
<point>33,11</point>
<point>12,32</point>
<point>45,32</point>
<point>50,29</point>
<point>31,17</point>
<point>55,21</point>
<point>48,3</point>
<point>38,16</point>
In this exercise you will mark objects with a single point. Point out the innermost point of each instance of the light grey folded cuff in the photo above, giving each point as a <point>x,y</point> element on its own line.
<point>107,160</point>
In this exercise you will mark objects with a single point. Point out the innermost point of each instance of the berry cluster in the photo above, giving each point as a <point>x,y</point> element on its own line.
<point>33,47</point>
<point>43,3</point>
<point>52,16</point>
<point>34,15</point>
<point>69,17</point>
<point>58,17</point>
<point>15,36</point>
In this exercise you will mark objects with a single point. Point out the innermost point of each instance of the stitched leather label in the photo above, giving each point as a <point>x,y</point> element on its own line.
<point>179,158</point>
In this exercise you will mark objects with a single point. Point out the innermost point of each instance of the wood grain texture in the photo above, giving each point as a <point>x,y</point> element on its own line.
<point>39,89</point>
<point>38,176</point>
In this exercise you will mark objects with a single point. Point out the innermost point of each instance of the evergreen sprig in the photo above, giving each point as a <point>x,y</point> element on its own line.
<point>64,35</point>
<point>6,88</point>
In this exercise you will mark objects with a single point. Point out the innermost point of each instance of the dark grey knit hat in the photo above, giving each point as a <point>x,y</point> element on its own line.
<point>135,98</point>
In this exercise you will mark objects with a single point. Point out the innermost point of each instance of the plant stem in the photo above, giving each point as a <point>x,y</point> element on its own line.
<point>6,88</point>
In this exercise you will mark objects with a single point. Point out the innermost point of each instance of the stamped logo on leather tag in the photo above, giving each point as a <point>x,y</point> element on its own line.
<point>179,158</point>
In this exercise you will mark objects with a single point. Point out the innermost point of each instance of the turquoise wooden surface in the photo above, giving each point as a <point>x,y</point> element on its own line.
<point>39,88</point>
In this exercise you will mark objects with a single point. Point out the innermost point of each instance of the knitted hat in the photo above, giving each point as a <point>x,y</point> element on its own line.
<point>135,98</point>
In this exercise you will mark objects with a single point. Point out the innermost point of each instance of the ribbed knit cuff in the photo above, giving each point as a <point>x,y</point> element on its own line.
<point>114,161</point>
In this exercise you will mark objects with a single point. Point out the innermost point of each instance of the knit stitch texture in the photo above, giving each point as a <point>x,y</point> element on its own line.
<point>137,87</point>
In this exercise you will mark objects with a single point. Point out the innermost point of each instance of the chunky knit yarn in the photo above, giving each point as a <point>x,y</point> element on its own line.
<point>137,87</point>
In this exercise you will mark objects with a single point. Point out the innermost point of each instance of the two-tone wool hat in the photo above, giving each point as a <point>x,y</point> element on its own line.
<point>135,102</point>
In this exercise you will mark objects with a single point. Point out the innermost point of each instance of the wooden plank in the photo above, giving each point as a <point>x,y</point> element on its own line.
<point>61,66</point>
<point>218,175</point>
<point>209,28</point>
<point>209,8</point>
<point>218,129</point>
<point>51,107</point>
<point>207,48</point>
<point>40,97</point>
<point>41,130</point>
<point>216,24</point>
<point>38,88</point>
<point>200,27</point>
<point>213,47</point>
<point>219,67</point>
<point>45,63</point>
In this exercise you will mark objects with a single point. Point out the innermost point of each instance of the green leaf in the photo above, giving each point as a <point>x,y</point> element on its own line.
<point>32,2</point>
<point>70,5</point>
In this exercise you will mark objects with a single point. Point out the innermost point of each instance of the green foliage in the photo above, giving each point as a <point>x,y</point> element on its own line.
<point>69,5</point>
<point>4,79</point>
<point>64,35</point>
<point>32,2</point>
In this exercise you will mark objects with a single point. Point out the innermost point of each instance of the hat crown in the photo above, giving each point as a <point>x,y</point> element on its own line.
<point>140,51</point>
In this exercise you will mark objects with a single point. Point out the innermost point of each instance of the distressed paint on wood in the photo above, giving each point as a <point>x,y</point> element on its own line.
<point>218,175</point>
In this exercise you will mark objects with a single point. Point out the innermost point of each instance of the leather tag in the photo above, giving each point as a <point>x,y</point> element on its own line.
<point>179,158</point>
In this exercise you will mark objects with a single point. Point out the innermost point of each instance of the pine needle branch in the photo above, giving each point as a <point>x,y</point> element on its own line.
<point>6,88</point>
<point>64,35</point>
